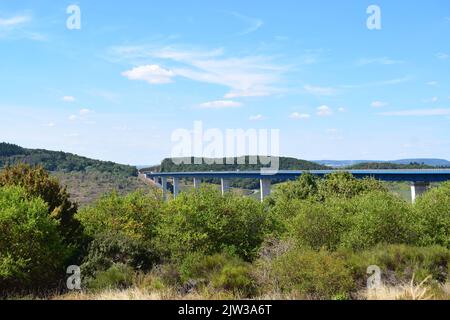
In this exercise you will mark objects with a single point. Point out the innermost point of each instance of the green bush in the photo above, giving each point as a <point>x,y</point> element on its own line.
<point>221,272</point>
<point>345,185</point>
<point>38,183</point>
<point>379,217</point>
<point>314,274</point>
<point>206,222</point>
<point>118,276</point>
<point>32,254</point>
<point>357,223</point>
<point>433,211</point>
<point>123,229</point>
<point>399,263</point>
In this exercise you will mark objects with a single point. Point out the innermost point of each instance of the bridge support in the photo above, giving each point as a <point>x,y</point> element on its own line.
<point>418,189</point>
<point>176,187</point>
<point>197,182</point>
<point>265,188</point>
<point>164,187</point>
<point>225,186</point>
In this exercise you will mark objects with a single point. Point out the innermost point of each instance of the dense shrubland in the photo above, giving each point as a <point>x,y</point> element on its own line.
<point>311,239</point>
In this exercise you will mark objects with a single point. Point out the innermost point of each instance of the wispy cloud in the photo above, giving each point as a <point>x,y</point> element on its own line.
<point>220,104</point>
<point>258,117</point>
<point>320,91</point>
<point>253,24</point>
<point>378,104</point>
<point>248,76</point>
<point>378,61</point>
<point>417,113</point>
<point>382,83</point>
<point>442,56</point>
<point>299,116</point>
<point>14,21</point>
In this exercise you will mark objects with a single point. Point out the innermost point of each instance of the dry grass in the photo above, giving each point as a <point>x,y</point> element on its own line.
<point>408,291</point>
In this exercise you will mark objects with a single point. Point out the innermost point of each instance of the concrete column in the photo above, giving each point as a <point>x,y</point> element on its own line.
<point>418,189</point>
<point>156,180</point>
<point>265,188</point>
<point>197,182</point>
<point>176,187</point>
<point>225,186</point>
<point>164,187</point>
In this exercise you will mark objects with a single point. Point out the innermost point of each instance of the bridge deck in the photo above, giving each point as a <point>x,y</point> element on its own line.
<point>429,175</point>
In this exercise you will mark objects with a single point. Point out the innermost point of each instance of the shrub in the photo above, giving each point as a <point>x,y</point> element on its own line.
<point>123,230</point>
<point>206,222</point>
<point>320,225</point>
<point>301,189</point>
<point>315,274</point>
<point>433,211</point>
<point>357,223</point>
<point>37,183</point>
<point>345,185</point>
<point>118,276</point>
<point>221,272</point>
<point>379,217</point>
<point>32,254</point>
<point>399,263</point>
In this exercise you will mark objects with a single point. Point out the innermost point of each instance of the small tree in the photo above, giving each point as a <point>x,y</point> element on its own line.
<point>37,183</point>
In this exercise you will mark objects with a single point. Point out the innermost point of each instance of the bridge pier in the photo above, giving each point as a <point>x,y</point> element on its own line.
<point>176,187</point>
<point>197,183</point>
<point>225,186</point>
<point>418,189</point>
<point>265,188</point>
<point>164,187</point>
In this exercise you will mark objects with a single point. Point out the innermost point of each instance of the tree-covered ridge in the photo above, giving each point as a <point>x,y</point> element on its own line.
<point>169,165</point>
<point>387,166</point>
<point>58,161</point>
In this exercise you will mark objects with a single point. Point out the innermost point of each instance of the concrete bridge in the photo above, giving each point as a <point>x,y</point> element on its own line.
<point>420,179</point>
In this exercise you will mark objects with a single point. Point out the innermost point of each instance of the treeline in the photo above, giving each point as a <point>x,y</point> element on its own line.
<point>233,164</point>
<point>311,239</point>
<point>60,161</point>
<point>388,166</point>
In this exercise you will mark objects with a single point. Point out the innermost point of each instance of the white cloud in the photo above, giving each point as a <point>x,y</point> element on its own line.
<point>220,104</point>
<point>418,112</point>
<point>68,99</point>
<point>13,21</point>
<point>442,55</point>
<point>152,74</point>
<point>378,104</point>
<point>50,124</point>
<point>247,76</point>
<point>324,111</point>
<point>342,110</point>
<point>73,117</point>
<point>258,117</point>
<point>320,91</point>
<point>84,112</point>
<point>383,83</point>
<point>299,116</point>
<point>432,83</point>
<point>379,61</point>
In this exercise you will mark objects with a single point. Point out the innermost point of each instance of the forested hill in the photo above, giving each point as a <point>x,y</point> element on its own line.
<point>57,161</point>
<point>168,165</point>
<point>388,166</point>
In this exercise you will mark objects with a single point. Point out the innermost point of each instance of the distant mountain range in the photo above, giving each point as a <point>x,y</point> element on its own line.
<point>348,163</point>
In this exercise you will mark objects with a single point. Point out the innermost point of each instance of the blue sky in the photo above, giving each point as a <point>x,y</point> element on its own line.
<point>137,70</point>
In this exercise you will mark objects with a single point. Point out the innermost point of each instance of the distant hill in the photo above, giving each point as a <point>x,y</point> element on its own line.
<point>58,161</point>
<point>285,163</point>
<point>388,165</point>
<point>86,179</point>
<point>348,163</point>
